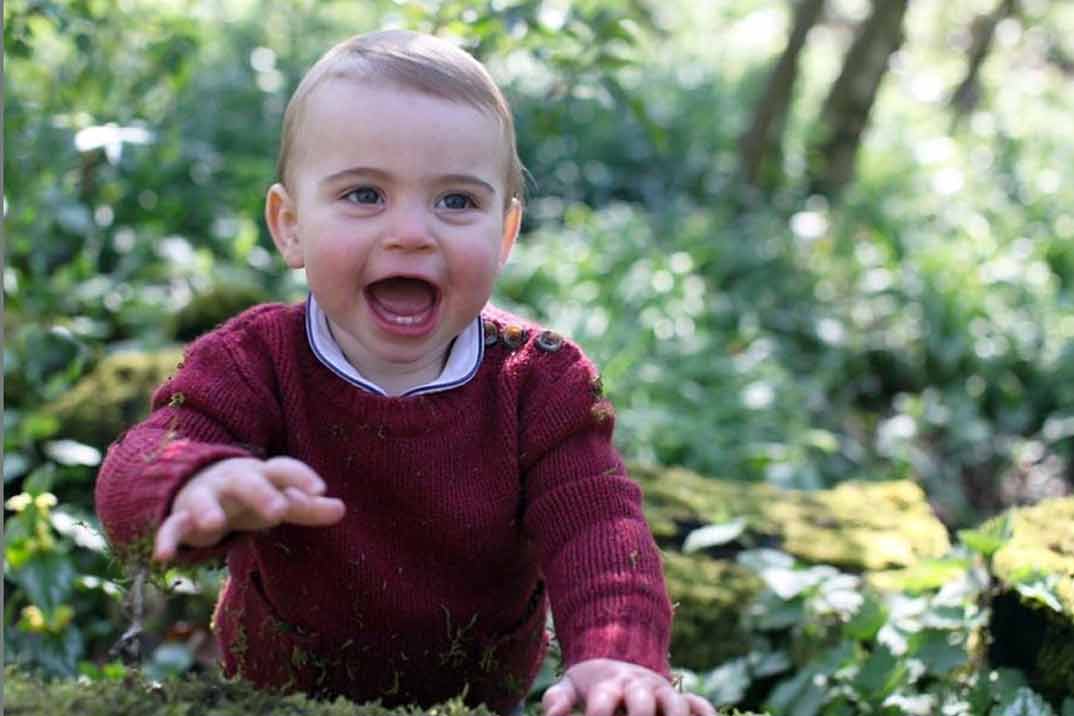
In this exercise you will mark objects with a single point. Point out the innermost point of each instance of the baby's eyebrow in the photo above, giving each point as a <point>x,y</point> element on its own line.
<point>380,174</point>
<point>465,179</point>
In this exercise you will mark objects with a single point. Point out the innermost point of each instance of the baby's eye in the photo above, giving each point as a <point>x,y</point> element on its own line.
<point>456,202</point>
<point>363,195</point>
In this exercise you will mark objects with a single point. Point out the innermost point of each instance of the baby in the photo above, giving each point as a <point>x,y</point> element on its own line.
<point>400,476</point>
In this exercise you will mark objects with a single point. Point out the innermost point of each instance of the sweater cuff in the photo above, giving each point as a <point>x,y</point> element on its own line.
<point>620,642</point>
<point>137,511</point>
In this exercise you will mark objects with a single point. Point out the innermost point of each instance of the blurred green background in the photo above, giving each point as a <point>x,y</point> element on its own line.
<point>846,256</point>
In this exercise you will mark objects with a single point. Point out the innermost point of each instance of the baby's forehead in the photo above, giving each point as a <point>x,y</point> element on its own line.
<point>346,112</point>
<point>360,88</point>
<point>355,84</point>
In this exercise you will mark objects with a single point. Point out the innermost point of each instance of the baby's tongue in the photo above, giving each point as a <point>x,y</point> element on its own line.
<point>403,296</point>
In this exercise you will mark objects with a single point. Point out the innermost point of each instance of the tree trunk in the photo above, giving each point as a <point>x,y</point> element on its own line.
<point>845,113</point>
<point>761,146</point>
<point>965,98</point>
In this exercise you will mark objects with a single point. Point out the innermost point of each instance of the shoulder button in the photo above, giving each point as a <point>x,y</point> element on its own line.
<point>513,336</point>
<point>492,334</point>
<point>549,341</point>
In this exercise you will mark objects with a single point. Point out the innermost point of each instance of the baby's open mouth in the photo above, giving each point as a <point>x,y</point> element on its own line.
<point>402,300</point>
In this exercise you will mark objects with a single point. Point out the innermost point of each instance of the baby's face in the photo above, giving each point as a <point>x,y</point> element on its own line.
<point>398,217</point>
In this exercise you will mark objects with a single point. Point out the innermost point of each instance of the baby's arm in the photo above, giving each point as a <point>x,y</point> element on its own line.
<point>602,686</point>
<point>244,493</point>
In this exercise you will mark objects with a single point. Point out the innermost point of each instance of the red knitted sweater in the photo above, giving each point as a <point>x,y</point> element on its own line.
<point>461,508</point>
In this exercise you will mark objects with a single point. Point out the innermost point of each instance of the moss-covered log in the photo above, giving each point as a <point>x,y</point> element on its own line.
<point>1032,625</point>
<point>709,596</point>
<point>857,526</point>
<point>114,395</point>
<point>863,527</point>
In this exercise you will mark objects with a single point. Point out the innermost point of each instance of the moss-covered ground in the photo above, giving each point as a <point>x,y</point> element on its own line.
<point>205,695</point>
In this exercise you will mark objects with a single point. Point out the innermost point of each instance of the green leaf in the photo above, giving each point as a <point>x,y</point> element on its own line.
<point>1068,706</point>
<point>868,620</point>
<point>800,695</point>
<point>989,537</point>
<point>714,535</point>
<point>727,684</point>
<point>15,465</point>
<point>933,648</point>
<point>46,579</point>
<point>770,613</point>
<point>1041,591</point>
<point>880,674</point>
<point>169,659</point>
<point>1025,702</point>
<point>763,664</point>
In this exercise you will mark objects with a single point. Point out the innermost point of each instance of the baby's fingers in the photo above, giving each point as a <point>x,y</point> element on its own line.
<point>251,501</point>
<point>303,509</point>
<point>170,535</point>
<point>559,699</point>
<point>286,472</point>
<point>700,706</point>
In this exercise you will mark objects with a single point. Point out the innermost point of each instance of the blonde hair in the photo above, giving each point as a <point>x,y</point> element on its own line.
<point>415,61</point>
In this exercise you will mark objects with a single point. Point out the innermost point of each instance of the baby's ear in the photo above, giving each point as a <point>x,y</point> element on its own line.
<point>512,222</point>
<point>281,215</point>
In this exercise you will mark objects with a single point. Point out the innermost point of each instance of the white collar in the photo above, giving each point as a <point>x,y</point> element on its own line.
<point>464,356</point>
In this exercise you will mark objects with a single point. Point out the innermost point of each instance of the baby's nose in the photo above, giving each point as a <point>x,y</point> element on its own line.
<point>408,231</point>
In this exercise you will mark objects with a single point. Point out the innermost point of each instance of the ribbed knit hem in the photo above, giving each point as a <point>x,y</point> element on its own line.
<point>636,644</point>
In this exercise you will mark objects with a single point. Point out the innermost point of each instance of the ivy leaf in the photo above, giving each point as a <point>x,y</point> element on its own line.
<point>727,684</point>
<point>800,695</point>
<point>789,583</point>
<point>714,535</point>
<point>1041,590</point>
<point>1025,702</point>
<point>771,613</point>
<point>933,648</point>
<point>867,621</point>
<point>770,663</point>
<point>880,674</point>
<point>764,558</point>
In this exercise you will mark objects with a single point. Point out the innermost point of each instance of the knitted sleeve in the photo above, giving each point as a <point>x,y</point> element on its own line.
<point>221,403</point>
<point>600,562</point>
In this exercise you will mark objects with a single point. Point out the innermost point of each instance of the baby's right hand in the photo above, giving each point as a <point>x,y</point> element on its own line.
<point>244,494</point>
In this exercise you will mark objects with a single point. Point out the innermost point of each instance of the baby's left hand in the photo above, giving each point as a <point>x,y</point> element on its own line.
<point>602,686</point>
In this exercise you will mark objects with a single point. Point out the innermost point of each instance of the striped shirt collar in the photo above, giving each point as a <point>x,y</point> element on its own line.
<point>464,356</point>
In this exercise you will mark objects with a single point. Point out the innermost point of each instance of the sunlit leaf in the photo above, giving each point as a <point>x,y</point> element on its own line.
<point>72,452</point>
<point>714,535</point>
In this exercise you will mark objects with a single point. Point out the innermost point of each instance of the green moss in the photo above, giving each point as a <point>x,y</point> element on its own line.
<point>1041,545</point>
<point>113,396</point>
<point>708,596</point>
<point>856,526</point>
<point>1039,556</point>
<point>928,575</point>
<point>206,695</point>
<point>213,306</point>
